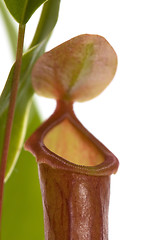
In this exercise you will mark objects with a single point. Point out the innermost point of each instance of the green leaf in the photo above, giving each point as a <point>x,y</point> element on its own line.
<point>10,27</point>
<point>22,10</point>
<point>22,216</point>
<point>25,93</point>
<point>47,21</point>
<point>77,70</point>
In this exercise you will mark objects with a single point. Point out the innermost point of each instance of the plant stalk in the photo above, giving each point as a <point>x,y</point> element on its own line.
<point>11,111</point>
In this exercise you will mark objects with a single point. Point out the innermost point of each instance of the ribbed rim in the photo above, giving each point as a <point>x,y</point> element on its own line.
<point>36,145</point>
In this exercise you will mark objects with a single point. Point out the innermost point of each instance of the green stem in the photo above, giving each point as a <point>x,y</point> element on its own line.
<point>11,110</point>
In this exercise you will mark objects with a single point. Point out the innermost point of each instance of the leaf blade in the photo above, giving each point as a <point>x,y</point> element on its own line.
<point>22,212</point>
<point>10,27</point>
<point>22,10</point>
<point>47,22</point>
<point>25,93</point>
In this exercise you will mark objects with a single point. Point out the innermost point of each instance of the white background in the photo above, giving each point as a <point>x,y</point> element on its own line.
<point>126,116</point>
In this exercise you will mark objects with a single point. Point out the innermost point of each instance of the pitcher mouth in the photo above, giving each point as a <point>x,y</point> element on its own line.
<point>68,142</point>
<point>103,163</point>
